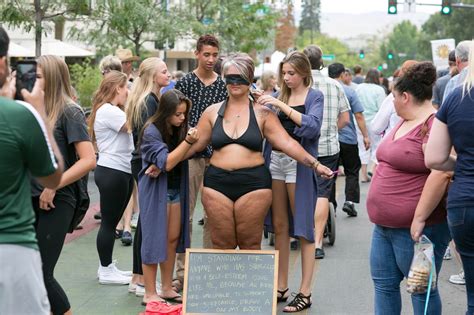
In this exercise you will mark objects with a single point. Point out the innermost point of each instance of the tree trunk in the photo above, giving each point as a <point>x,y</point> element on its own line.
<point>38,28</point>
<point>137,46</point>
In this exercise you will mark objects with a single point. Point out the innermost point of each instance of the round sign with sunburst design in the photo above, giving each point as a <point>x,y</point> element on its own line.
<point>443,51</point>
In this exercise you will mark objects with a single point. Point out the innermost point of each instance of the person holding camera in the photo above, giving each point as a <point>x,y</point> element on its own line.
<point>31,150</point>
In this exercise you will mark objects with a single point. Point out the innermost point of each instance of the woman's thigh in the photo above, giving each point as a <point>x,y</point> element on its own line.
<point>174,221</point>
<point>280,218</point>
<point>220,214</point>
<point>250,211</point>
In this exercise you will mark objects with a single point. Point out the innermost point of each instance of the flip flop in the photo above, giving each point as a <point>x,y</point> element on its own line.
<point>174,299</point>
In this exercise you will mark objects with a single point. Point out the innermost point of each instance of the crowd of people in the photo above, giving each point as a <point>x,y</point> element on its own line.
<point>264,153</point>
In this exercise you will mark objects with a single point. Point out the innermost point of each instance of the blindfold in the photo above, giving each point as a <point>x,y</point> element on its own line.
<point>235,79</point>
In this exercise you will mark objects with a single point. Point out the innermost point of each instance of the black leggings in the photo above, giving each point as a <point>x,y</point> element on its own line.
<point>51,229</point>
<point>115,188</point>
<point>235,184</point>
<point>137,239</point>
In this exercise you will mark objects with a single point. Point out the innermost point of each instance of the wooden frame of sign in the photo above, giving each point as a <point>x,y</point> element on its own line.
<point>190,251</point>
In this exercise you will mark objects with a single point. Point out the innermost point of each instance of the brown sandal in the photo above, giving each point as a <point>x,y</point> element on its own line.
<point>177,285</point>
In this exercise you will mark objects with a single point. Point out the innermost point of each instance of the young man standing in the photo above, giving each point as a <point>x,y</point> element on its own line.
<point>26,144</point>
<point>203,87</point>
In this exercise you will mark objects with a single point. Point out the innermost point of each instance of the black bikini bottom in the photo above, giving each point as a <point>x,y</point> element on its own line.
<point>235,184</point>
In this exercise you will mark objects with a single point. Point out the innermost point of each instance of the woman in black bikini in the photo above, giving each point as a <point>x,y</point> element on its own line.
<point>237,186</point>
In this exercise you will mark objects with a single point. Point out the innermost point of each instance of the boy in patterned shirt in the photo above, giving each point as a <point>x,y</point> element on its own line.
<point>203,87</point>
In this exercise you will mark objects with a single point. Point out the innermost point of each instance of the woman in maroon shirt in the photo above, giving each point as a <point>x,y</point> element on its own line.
<point>404,193</point>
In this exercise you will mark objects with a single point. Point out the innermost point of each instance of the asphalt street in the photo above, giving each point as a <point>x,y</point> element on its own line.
<point>342,283</point>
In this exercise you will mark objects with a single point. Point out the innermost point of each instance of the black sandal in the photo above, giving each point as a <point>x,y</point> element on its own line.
<point>281,295</point>
<point>299,303</point>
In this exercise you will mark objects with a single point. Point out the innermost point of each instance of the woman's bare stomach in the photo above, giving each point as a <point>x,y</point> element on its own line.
<point>235,156</point>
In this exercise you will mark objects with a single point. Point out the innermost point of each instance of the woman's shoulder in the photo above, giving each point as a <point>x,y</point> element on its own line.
<point>261,110</point>
<point>213,109</point>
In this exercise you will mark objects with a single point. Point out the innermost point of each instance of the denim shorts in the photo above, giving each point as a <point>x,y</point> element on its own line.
<point>283,167</point>
<point>173,196</point>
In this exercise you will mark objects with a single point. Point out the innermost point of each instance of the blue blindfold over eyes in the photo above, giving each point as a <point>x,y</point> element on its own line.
<point>235,79</point>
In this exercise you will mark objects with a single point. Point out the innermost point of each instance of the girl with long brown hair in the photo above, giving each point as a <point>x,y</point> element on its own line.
<point>55,208</point>
<point>294,189</point>
<point>113,175</point>
<point>164,198</point>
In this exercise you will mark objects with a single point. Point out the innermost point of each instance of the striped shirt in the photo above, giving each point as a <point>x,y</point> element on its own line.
<point>335,102</point>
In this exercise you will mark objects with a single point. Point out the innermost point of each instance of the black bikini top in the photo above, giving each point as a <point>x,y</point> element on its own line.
<point>251,139</point>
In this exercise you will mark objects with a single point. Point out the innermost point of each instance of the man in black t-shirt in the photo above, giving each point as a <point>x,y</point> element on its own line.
<point>203,87</point>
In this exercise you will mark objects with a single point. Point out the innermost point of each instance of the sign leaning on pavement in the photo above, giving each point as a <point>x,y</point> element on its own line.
<point>440,49</point>
<point>230,281</point>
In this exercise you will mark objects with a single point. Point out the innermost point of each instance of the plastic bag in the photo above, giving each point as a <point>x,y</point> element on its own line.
<point>422,267</point>
<point>162,308</point>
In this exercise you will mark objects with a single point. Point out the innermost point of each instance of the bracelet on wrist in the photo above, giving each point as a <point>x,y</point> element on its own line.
<point>188,142</point>
<point>291,112</point>
<point>315,164</point>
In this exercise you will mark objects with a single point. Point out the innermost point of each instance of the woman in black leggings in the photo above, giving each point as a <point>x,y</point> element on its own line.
<point>142,103</point>
<point>113,175</point>
<point>55,208</point>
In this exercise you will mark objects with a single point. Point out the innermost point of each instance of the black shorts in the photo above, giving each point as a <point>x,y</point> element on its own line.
<point>325,185</point>
<point>235,184</point>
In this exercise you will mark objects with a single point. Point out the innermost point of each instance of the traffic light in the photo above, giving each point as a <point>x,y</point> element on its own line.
<point>361,54</point>
<point>380,68</point>
<point>390,55</point>
<point>446,7</point>
<point>392,6</point>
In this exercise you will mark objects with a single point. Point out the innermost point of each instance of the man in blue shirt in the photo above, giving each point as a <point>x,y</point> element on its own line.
<point>349,152</point>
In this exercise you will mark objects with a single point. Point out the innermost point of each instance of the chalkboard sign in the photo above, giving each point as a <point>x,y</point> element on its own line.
<point>230,282</point>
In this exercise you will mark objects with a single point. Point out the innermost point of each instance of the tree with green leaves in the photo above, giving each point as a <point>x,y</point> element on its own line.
<point>115,23</point>
<point>402,43</point>
<point>310,16</point>
<point>333,46</point>
<point>458,25</point>
<point>35,13</point>
<point>246,27</point>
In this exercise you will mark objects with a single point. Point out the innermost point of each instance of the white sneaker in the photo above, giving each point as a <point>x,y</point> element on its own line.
<point>134,221</point>
<point>111,275</point>
<point>127,273</point>
<point>458,279</point>
<point>140,289</point>
<point>132,287</point>
<point>114,263</point>
<point>447,254</point>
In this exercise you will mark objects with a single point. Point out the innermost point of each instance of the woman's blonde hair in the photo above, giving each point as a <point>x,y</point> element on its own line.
<point>105,94</point>
<point>469,81</point>
<point>142,87</point>
<point>300,63</point>
<point>57,86</point>
<point>265,79</point>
